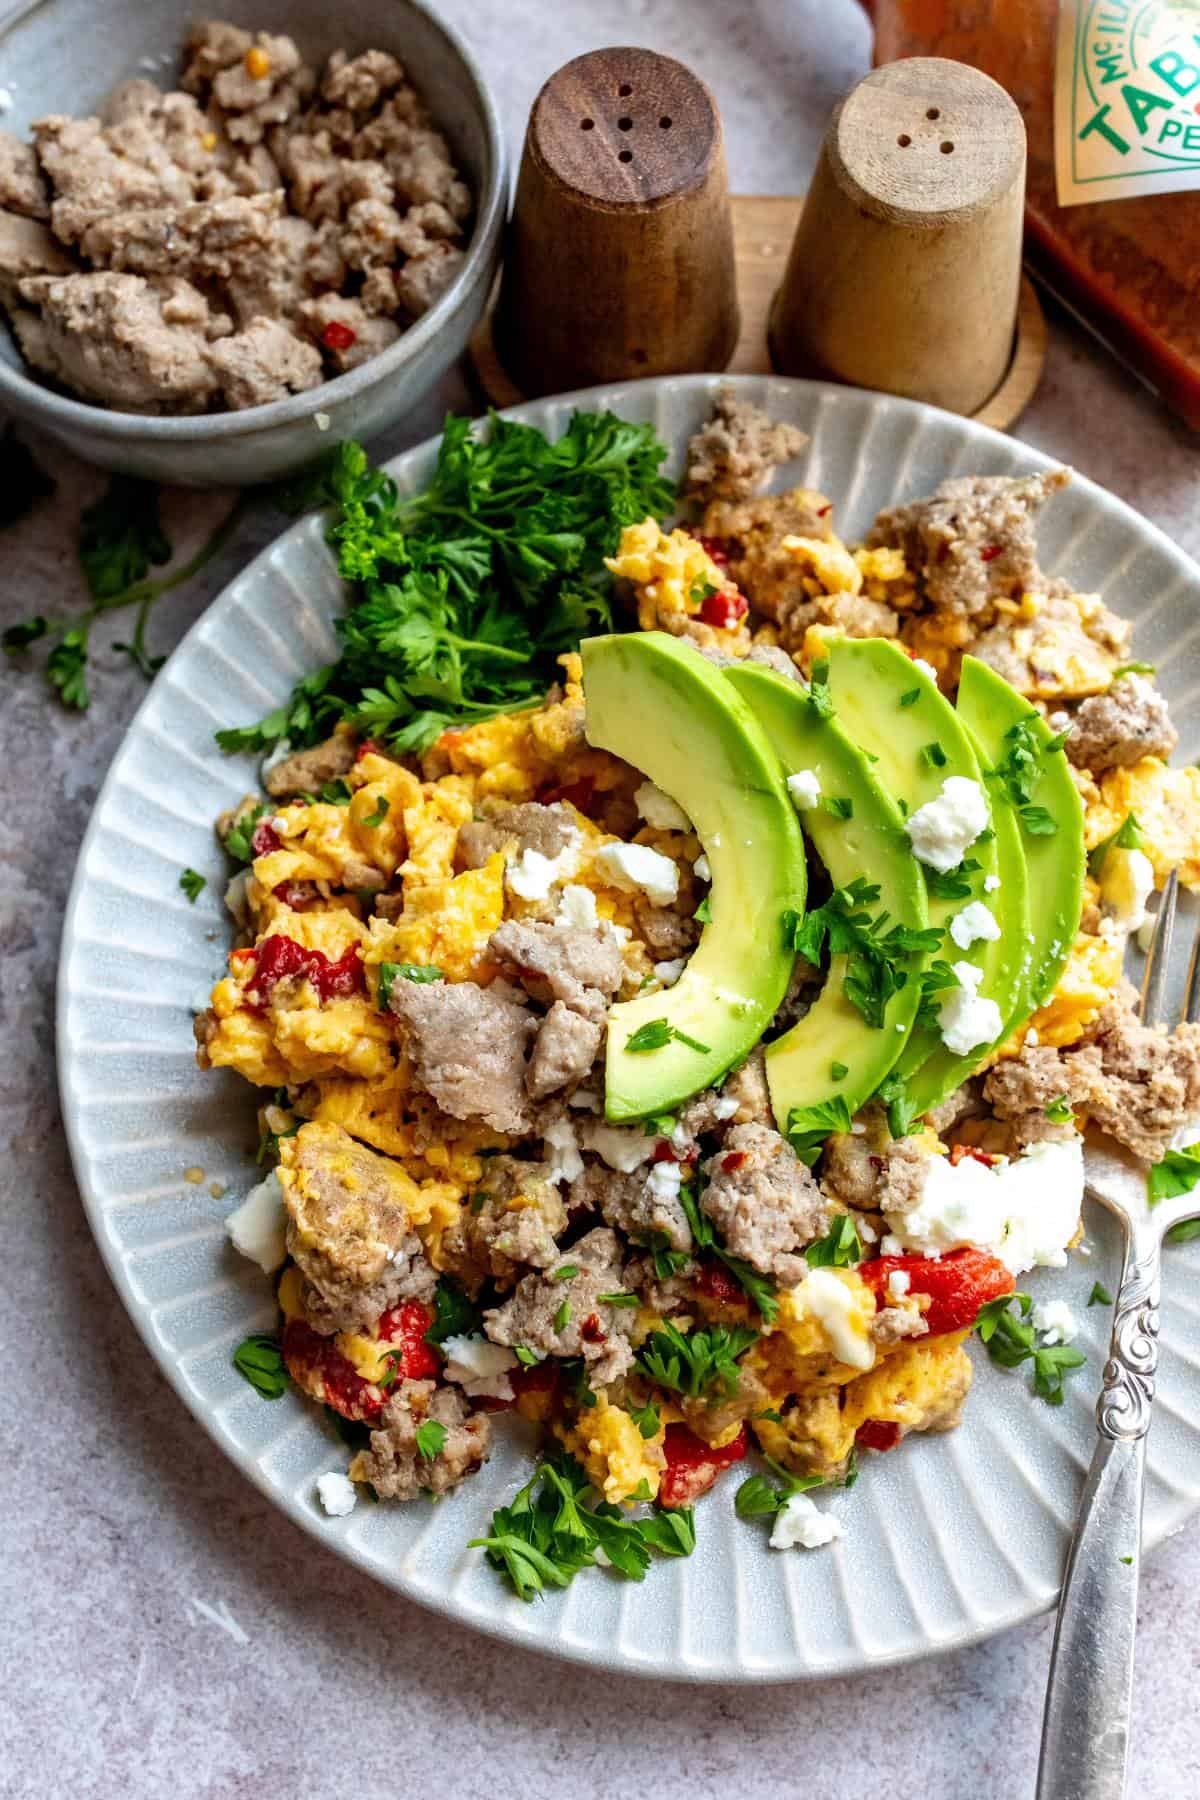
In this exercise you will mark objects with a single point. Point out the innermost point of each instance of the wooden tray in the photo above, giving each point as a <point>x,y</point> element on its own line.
<point>763,225</point>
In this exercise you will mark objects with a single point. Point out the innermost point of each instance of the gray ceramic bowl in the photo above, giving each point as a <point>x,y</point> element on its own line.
<point>65,56</point>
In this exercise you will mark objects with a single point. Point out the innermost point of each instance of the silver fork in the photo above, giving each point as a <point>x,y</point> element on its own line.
<point>1085,1729</point>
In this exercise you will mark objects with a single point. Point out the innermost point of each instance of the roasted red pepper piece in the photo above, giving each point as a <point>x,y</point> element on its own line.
<point>265,838</point>
<point>337,336</point>
<point>716,1283</point>
<point>278,957</point>
<point>716,549</point>
<point>878,1434</point>
<point>405,1326</point>
<point>725,609</point>
<point>692,1465</point>
<point>957,1285</point>
<point>318,1367</point>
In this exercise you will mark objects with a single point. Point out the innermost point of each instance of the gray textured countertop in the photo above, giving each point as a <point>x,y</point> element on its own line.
<point>164,1631</point>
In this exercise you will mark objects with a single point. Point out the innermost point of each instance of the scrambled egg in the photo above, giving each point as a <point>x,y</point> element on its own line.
<point>608,1445</point>
<point>1167,804</point>
<point>672,573</point>
<point>1092,971</point>
<point>798,1352</point>
<point>446,922</point>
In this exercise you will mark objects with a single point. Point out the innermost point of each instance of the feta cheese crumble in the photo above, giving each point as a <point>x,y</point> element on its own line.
<point>725,1105</point>
<point>943,830</point>
<point>991,883</point>
<point>1126,883</point>
<point>805,788</point>
<point>966,1020</point>
<point>566,1164</point>
<point>630,866</point>
<point>337,1494</point>
<point>665,1180</point>
<point>620,1147</point>
<point>898,1284</point>
<point>480,1368</point>
<point>1056,1320</point>
<point>1025,1212</point>
<point>801,1525</point>
<point>531,875</point>
<point>831,1303</point>
<point>658,809</point>
<point>975,923</point>
<point>669,972</point>
<point>577,907</point>
<point>258,1227</point>
<point>926,669</point>
<point>702,869</point>
<point>277,754</point>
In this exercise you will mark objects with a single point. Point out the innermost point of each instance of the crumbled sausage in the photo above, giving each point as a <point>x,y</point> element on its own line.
<point>895,1323</point>
<point>581,967</point>
<point>348,1228</point>
<point>569,1318</point>
<point>734,452</point>
<point>634,1203</point>
<point>307,771</point>
<point>264,362</point>
<point>359,83</point>
<point>872,1172</point>
<point>563,1051</point>
<point>666,932</point>
<point>1115,729</point>
<point>395,1466</point>
<point>425,277</point>
<point>753,531</point>
<point>509,1225</point>
<point>134,344</point>
<point>1020,1088</point>
<point>1071,646</point>
<point>22,186</point>
<point>763,1201</point>
<point>362,336</point>
<point>971,542</point>
<point>546,829</point>
<point>205,240</point>
<point>27,248</point>
<point>468,1046</point>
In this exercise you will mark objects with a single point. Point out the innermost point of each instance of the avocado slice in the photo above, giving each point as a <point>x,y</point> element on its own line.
<point>894,710</point>
<point>1055,860</point>
<point>833,1052</point>
<point>657,703</point>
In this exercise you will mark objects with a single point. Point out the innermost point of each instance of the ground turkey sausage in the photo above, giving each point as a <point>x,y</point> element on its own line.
<point>563,1052</point>
<point>972,540</point>
<point>638,1203</point>
<point>546,829</point>
<point>395,1466</point>
<point>568,1317</point>
<point>468,1046</point>
<point>1116,729</point>
<point>581,967</point>
<point>348,1228</point>
<point>734,452</point>
<point>871,1175</point>
<point>509,1225</point>
<point>763,1201</point>
<point>307,771</point>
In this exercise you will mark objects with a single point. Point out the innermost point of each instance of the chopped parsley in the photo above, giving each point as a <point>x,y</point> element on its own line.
<point>699,1363</point>
<point>901,1111</point>
<point>809,1126</point>
<point>758,1288</point>
<point>1127,836</point>
<point>758,1498</point>
<point>911,697</point>
<point>390,973</point>
<point>620,1298</point>
<point>839,807</point>
<point>565,1272</point>
<point>703,913</point>
<point>548,1532</point>
<point>455,1314</point>
<point>936,980</point>
<point>562,1317</point>
<point>1133,668</point>
<point>1059,1111</point>
<point>1021,768</point>
<point>335,793</point>
<point>838,1071</point>
<point>1011,1340</point>
<point>659,1124</point>
<point>647,1419</point>
<point>239,839</point>
<point>655,1033</point>
<point>876,952</point>
<point>820,699</point>
<point>933,756</point>
<point>528,1359</point>
<point>951,884</point>
<point>1099,1295</point>
<point>839,1248</point>
<point>1038,822</point>
<point>258,1359</point>
<point>379,815</point>
<point>431,1439</point>
<point>1177,1173</point>
<point>700,591</point>
<point>192,884</point>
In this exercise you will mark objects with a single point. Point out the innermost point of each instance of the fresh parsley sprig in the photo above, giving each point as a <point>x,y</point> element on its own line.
<point>258,1359</point>
<point>759,1289</point>
<point>809,1126</point>
<point>1011,1340</point>
<point>656,1033</point>
<point>878,953</point>
<point>696,1364</point>
<point>1175,1173</point>
<point>840,1248</point>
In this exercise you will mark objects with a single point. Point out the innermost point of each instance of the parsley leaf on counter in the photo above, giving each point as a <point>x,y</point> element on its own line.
<point>120,536</point>
<point>1099,1295</point>
<point>462,597</point>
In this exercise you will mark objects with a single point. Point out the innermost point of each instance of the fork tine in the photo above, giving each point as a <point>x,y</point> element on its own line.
<point>1154,1008</point>
<point>1192,1008</point>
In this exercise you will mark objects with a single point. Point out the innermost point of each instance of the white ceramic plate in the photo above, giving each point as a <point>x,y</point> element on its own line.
<point>946,1540</point>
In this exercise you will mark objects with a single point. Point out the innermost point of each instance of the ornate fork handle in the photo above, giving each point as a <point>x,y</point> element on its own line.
<point>1126,1399</point>
<point>1085,1731</point>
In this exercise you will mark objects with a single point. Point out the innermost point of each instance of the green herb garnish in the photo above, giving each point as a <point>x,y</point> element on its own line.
<point>192,884</point>
<point>455,1314</point>
<point>259,1360</point>
<point>431,1438</point>
<point>1176,1173</point>
<point>876,951</point>
<point>820,699</point>
<point>1099,1295</point>
<point>1127,836</point>
<point>655,1033</point>
<point>951,884</point>
<point>390,973</point>
<point>697,1363</point>
<point>933,756</point>
<point>379,814</point>
<point>1059,1111</point>
<point>809,1126</point>
<point>839,1248</point>
<point>1011,1340</point>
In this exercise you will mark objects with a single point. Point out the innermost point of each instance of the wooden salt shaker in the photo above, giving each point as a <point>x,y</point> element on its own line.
<point>619,261</point>
<point>906,265</point>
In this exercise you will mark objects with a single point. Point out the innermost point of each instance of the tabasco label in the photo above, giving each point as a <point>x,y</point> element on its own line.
<point>1126,98</point>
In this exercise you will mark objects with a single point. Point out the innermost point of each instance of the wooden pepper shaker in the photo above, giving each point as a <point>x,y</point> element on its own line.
<point>619,260</point>
<point>905,268</point>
